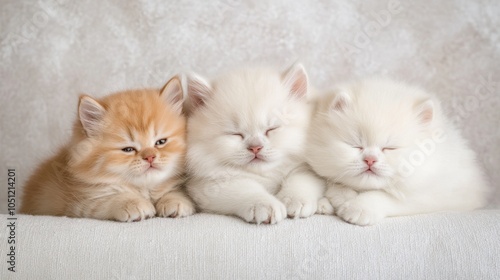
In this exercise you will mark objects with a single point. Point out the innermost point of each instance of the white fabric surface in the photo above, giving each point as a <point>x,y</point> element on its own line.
<point>437,246</point>
<point>53,50</point>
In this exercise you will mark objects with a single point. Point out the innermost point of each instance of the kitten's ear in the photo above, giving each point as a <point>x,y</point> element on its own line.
<point>198,90</point>
<point>91,115</point>
<point>341,101</point>
<point>172,93</point>
<point>295,78</point>
<point>425,111</point>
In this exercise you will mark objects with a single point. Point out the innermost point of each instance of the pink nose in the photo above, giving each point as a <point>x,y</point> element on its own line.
<point>370,160</point>
<point>255,149</point>
<point>149,159</point>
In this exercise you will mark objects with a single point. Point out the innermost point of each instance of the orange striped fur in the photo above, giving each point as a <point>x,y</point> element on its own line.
<point>93,177</point>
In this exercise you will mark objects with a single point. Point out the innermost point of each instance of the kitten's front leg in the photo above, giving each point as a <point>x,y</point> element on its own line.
<point>133,210</point>
<point>174,204</point>
<point>244,198</point>
<point>367,208</point>
<point>338,194</point>
<point>325,207</point>
<point>123,207</point>
<point>300,193</point>
<point>262,208</point>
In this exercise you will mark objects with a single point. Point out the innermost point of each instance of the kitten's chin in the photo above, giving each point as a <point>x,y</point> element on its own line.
<point>148,177</point>
<point>152,171</point>
<point>151,168</point>
<point>257,161</point>
<point>366,181</point>
<point>260,165</point>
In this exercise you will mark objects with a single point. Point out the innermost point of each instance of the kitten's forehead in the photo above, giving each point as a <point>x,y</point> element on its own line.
<point>249,87</point>
<point>377,117</point>
<point>249,100</point>
<point>253,118</point>
<point>375,134</point>
<point>140,135</point>
<point>139,116</point>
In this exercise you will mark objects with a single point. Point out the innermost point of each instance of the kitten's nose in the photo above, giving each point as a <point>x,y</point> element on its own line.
<point>370,160</point>
<point>255,149</point>
<point>149,159</point>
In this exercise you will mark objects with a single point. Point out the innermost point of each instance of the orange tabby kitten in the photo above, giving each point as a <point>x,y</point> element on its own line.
<point>125,161</point>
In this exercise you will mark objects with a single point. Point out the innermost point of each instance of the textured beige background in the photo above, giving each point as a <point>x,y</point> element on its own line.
<point>52,50</point>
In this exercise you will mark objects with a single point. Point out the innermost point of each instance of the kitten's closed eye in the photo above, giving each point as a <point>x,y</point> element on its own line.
<point>271,129</point>
<point>236,134</point>
<point>390,148</point>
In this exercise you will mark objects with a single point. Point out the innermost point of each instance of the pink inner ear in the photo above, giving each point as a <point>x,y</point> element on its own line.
<point>426,113</point>
<point>198,102</point>
<point>90,114</point>
<point>340,103</point>
<point>172,93</point>
<point>89,117</point>
<point>299,87</point>
<point>296,79</point>
<point>198,91</point>
<point>195,94</point>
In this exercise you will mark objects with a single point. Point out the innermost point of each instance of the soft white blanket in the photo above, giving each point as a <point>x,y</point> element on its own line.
<point>53,50</point>
<point>438,246</point>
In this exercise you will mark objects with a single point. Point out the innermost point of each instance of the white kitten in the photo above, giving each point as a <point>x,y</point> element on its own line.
<point>246,139</point>
<point>387,149</point>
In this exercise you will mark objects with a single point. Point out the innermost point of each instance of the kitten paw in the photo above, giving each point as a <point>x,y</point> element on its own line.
<point>269,211</point>
<point>299,208</point>
<point>325,207</point>
<point>174,208</point>
<point>356,212</point>
<point>134,211</point>
<point>339,195</point>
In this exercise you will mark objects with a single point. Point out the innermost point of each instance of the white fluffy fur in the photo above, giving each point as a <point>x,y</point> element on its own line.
<point>422,165</point>
<point>251,107</point>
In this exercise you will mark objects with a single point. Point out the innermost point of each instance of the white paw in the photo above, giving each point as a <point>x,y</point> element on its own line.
<point>324,207</point>
<point>266,211</point>
<point>174,208</point>
<point>339,195</point>
<point>358,212</point>
<point>134,211</point>
<point>299,207</point>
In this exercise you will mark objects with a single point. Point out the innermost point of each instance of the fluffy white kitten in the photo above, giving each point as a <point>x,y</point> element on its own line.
<point>246,142</point>
<point>387,149</point>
